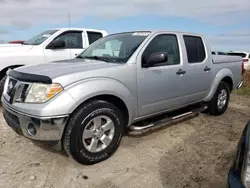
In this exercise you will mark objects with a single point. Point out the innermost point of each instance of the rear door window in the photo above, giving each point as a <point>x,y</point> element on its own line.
<point>93,36</point>
<point>195,49</point>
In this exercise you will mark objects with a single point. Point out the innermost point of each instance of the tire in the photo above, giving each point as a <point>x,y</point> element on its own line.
<point>82,122</point>
<point>2,81</point>
<point>215,107</point>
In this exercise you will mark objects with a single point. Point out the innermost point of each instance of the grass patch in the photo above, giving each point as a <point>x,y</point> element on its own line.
<point>243,91</point>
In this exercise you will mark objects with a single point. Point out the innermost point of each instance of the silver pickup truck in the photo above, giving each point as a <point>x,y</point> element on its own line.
<point>131,81</point>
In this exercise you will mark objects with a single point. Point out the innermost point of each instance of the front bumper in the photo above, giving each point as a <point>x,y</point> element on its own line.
<point>33,127</point>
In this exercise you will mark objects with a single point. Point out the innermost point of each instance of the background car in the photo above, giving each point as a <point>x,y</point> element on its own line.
<point>16,42</point>
<point>245,56</point>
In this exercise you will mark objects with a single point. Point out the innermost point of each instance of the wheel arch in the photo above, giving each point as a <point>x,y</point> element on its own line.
<point>116,101</point>
<point>225,75</point>
<point>229,81</point>
<point>3,71</point>
<point>105,89</point>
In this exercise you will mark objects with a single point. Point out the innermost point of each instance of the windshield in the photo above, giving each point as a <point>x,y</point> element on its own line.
<point>115,48</point>
<point>38,39</point>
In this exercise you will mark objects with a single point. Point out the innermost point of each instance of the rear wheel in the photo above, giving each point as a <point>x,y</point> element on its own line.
<point>94,132</point>
<point>219,103</point>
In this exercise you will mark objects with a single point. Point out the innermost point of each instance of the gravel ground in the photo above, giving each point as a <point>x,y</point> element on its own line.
<point>195,153</point>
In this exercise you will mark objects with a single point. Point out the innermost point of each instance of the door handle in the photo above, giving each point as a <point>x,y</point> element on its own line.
<point>207,69</point>
<point>180,72</point>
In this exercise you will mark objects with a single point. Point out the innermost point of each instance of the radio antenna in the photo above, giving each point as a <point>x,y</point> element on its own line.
<point>69,19</point>
<point>69,29</point>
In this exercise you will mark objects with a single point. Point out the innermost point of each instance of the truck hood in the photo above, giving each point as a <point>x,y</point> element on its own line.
<point>65,67</point>
<point>9,45</point>
<point>14,48</point>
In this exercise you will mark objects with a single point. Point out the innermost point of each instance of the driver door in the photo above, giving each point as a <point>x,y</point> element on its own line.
<point>73,45</point>
<point>161,87</point>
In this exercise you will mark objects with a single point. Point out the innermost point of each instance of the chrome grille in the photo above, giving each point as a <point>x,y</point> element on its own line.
<point>21,92</point>
<point>11,86</point>
<point>16,90</point>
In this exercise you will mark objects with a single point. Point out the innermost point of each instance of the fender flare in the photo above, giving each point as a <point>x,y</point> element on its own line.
<point>94,87</point>
<point>223,73</point>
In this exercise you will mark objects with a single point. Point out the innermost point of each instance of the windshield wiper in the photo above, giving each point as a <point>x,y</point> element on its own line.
<point>79,57</point>
<point>94,57</point>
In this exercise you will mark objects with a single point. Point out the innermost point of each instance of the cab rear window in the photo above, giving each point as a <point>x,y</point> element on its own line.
<point>195,49</point>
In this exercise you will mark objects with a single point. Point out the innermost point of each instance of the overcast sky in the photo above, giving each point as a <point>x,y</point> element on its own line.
<point>226,23</point>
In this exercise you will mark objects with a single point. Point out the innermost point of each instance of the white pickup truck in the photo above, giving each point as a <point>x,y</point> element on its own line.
<point>50,45</point>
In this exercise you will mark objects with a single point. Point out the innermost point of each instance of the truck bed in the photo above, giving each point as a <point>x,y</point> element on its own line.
<point>229,62</point>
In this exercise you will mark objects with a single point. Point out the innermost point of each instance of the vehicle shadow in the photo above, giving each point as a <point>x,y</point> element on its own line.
<point>53,147</point>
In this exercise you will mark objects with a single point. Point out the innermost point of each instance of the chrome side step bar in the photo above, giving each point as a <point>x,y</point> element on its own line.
<point>147,125</point>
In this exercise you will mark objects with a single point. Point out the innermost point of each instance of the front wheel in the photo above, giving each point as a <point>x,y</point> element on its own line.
<point>219,103</point>
<point>94,132</point>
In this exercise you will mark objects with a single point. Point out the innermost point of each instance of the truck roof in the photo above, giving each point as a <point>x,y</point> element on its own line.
<point>158,31</point>
<point>77,28</point>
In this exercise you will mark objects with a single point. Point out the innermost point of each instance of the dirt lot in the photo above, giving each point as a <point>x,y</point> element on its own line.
<point>195,153</point>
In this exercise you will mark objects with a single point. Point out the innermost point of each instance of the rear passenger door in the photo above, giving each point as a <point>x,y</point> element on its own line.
<point>199,66</point>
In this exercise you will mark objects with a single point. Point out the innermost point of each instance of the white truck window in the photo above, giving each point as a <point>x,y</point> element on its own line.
<point>116,47</point>
<point>72,39</point>
<point>164,43</point>
<point>195,49</point>
<point>93,36</point>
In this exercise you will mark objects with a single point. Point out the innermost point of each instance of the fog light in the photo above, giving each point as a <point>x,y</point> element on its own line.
<point>31,129</point>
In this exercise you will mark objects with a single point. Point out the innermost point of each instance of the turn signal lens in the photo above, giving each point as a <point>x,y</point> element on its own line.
<point>53,90</point>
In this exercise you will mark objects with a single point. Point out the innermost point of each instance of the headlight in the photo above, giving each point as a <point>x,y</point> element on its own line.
<point>40,93</point>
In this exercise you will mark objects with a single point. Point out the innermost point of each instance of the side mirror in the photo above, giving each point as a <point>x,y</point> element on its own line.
<point>156,58</point>
<point>57,44</point>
